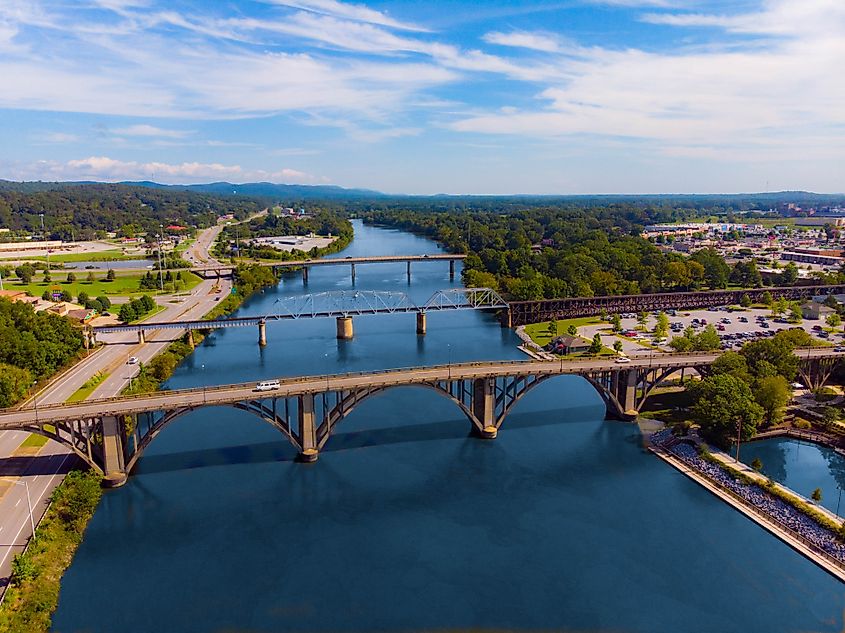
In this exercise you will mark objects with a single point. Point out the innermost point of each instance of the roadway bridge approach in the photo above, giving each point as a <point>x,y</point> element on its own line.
<point>111,435</point>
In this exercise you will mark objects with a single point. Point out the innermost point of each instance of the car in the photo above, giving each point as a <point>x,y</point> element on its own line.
<point>743,319</point>
<point>133,360</point>
<point>267,385</point>
<point>816,328</point>
<point>217,298</point>
<point>764,324</point>
<point>720,327</point>
<point>622,359</point>
<point>839,348</point>
<point>823,335</point>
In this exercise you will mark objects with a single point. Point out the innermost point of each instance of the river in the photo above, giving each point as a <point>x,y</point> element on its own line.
<point>406,523</point>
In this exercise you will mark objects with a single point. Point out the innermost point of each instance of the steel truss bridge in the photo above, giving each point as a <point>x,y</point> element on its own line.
<point>111,435</point>
<point>341,304</point>
<point>525,312</point>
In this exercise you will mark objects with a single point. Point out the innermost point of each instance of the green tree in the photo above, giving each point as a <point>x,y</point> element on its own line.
<point>757,464</point>
<point>708,340</point>
<point>71,278</point>
<point>553,327</point>
<point>82,298</point>
<point>779,306</point>
<point>25,273</point>
<point>830,416</point>
<point>773,394</point>
<point>66,296</point>
<point>596,346</point>
<point>661,329</point>
<point>817,495</point>
<point>776,352</point>
<point>721,404</point>
<point>47,277</point>
<point>833,320</point>
<point>572,330</point>
<point>642,319</point>
<point>14,382</point>
<point>734,364</point>
<point>110,275</point>
<point>104,301</point>
<point>90,278</point>
<point>47,295</point>
<point>716,271</point>
<point>767,299</point>
<point>795,314</point>
<point>616,322</point>
<point>617,346</point>
<point>789,275</point>
<point>147,303</point>
<point>127,313</point>
<point>745,301</point>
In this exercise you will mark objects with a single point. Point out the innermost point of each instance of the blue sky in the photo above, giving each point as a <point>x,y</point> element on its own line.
<point>435,96</point>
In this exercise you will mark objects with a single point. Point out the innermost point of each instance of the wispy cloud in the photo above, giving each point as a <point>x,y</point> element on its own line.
<point>143,129</point>
<point>357,12</point>
<point>103,168</point>
<point>524,39</point>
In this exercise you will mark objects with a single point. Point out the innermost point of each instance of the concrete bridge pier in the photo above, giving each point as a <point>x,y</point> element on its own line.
<point>409,271</point>
<point>344,328</point>
<point>627,392</point>
<point>353,273</point>
<point>305,274</point>
<point>141,338</point>
<point>451,270</point>
<point>262,333</point>
<point>114,466</point>
<point>484,406</point>
<point>191,339</point>
<point>421,323</point>
<point>307,429</point>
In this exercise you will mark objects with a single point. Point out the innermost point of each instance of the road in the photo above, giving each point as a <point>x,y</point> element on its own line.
<point>44,471</point>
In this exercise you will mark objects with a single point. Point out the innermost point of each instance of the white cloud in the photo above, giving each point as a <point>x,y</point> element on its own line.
<point>524,39</point>
<point>103,168</point>
<point>151,130</point>
<point>58,137</point>
<point>358,12</point>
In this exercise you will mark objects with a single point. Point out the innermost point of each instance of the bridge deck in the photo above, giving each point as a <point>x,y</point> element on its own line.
<point>377,259</point>
<point>228,394</point>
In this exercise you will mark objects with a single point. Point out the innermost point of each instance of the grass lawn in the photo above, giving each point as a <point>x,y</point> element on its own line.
<point>663,403</point>
<point>124,285</point>
<point>112,255</point>
<point>152,312</point>
<point>88,387</point>
<point>539,332</point>
<point>34,441</point>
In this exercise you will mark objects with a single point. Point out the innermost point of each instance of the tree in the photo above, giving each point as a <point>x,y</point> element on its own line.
<point>773,394</point>
<point>110,275</point>
<point>90,278</point>
<point>47,277</point>
<point>127,313</point>
<point>833,320</point>
<point>642,319</point>
<point>745,301</point>
<point>25,273</point>
<point>71,278</point>
<point>66,296</point>
<point>47,295</point>
<point>617,346</point>
<point>616,322</point>
<point>147,303</point>
<point>779,306</point>
<point>82,298</point>
<point>14,382</point>
<point>716,271</point>
<point>721,404</point>
<point>831,302</point>
<point>733,364</point>
<point>708,340</point>
<point>766,299</point>
<point>757,464</point>
<point>830,416</point>
<point>795,314</point>
<point>776,352</point>
<point>789,275</point>
<point>572,330</point>
<point>104,301</point>
<point>596,346</point>
<point>681,344</point>
<point>661,329</point>
<point>817,495</point>
<point>553,327</point>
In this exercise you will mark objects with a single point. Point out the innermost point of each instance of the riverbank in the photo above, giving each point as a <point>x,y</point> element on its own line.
<point>29,602</point>
<point>805,528</point>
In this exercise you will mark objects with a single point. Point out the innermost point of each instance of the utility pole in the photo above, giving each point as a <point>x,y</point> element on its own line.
<point>160,271</point>
<point>738,432</point>
<point>44,237</point>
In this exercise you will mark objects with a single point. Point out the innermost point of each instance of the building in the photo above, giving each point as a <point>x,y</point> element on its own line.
<point>814,311</point>
<point>13,295</point>
<point>820,221</point>
<point>568,345</point>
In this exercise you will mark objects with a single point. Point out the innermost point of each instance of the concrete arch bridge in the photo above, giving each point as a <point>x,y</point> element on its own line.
<point>111,435</point>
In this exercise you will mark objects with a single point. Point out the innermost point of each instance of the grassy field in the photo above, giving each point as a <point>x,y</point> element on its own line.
<point>34,441</point>
<point>125,285</point>
<point>111,255</point>
<point>88,387</point>
<point>539,332</point>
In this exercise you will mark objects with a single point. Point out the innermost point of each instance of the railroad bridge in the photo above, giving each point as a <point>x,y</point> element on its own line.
<point>111,435</point>
<point>526,312</point>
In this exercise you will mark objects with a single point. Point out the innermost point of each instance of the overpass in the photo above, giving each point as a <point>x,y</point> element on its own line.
<point>112,434</point>
<point>341,304</point>
<point>526,312</point>
<point>352,262</point>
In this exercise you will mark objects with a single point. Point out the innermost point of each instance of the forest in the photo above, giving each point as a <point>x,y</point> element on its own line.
<point>558,251</point>
<point>86,211</point>
<point>33,345</point>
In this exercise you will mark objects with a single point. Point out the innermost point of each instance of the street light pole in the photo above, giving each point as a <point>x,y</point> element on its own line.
<point>738,431</point>
<point>160,271</point>
<point>44,237</point>
<point>35,401</point>
<point>24,483</point>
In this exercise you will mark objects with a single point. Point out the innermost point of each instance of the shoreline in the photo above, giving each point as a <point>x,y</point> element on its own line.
<point>810,551</point>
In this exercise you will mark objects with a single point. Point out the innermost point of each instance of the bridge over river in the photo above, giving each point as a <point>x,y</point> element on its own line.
<point>112,434</point>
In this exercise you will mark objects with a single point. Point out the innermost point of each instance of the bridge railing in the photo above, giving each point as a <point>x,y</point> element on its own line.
<point>654,360</point>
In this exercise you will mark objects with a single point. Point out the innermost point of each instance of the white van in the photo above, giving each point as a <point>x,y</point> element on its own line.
<point>267,385</point>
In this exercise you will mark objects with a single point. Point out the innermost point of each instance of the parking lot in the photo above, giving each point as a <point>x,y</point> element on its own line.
<point>734,328</point>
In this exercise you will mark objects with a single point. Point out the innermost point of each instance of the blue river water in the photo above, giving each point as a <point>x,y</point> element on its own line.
<point>801,466</point>
<point>406,523</point>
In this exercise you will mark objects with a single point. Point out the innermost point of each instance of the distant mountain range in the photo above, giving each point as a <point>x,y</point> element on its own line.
<point>268,190</point>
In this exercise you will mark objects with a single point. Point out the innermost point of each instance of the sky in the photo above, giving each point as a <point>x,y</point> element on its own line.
<point>428,96</point>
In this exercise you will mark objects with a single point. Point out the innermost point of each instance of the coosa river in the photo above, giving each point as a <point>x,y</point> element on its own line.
<point>407,524</point>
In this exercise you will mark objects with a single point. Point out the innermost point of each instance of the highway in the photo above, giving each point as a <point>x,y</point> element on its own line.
<point>44,471</point>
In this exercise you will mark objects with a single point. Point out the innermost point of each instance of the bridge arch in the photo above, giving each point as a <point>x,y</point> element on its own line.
<point>255,407</point>
<point>351,401</point>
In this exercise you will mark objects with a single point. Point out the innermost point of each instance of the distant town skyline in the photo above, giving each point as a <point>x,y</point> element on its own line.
<point>443,96</point>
